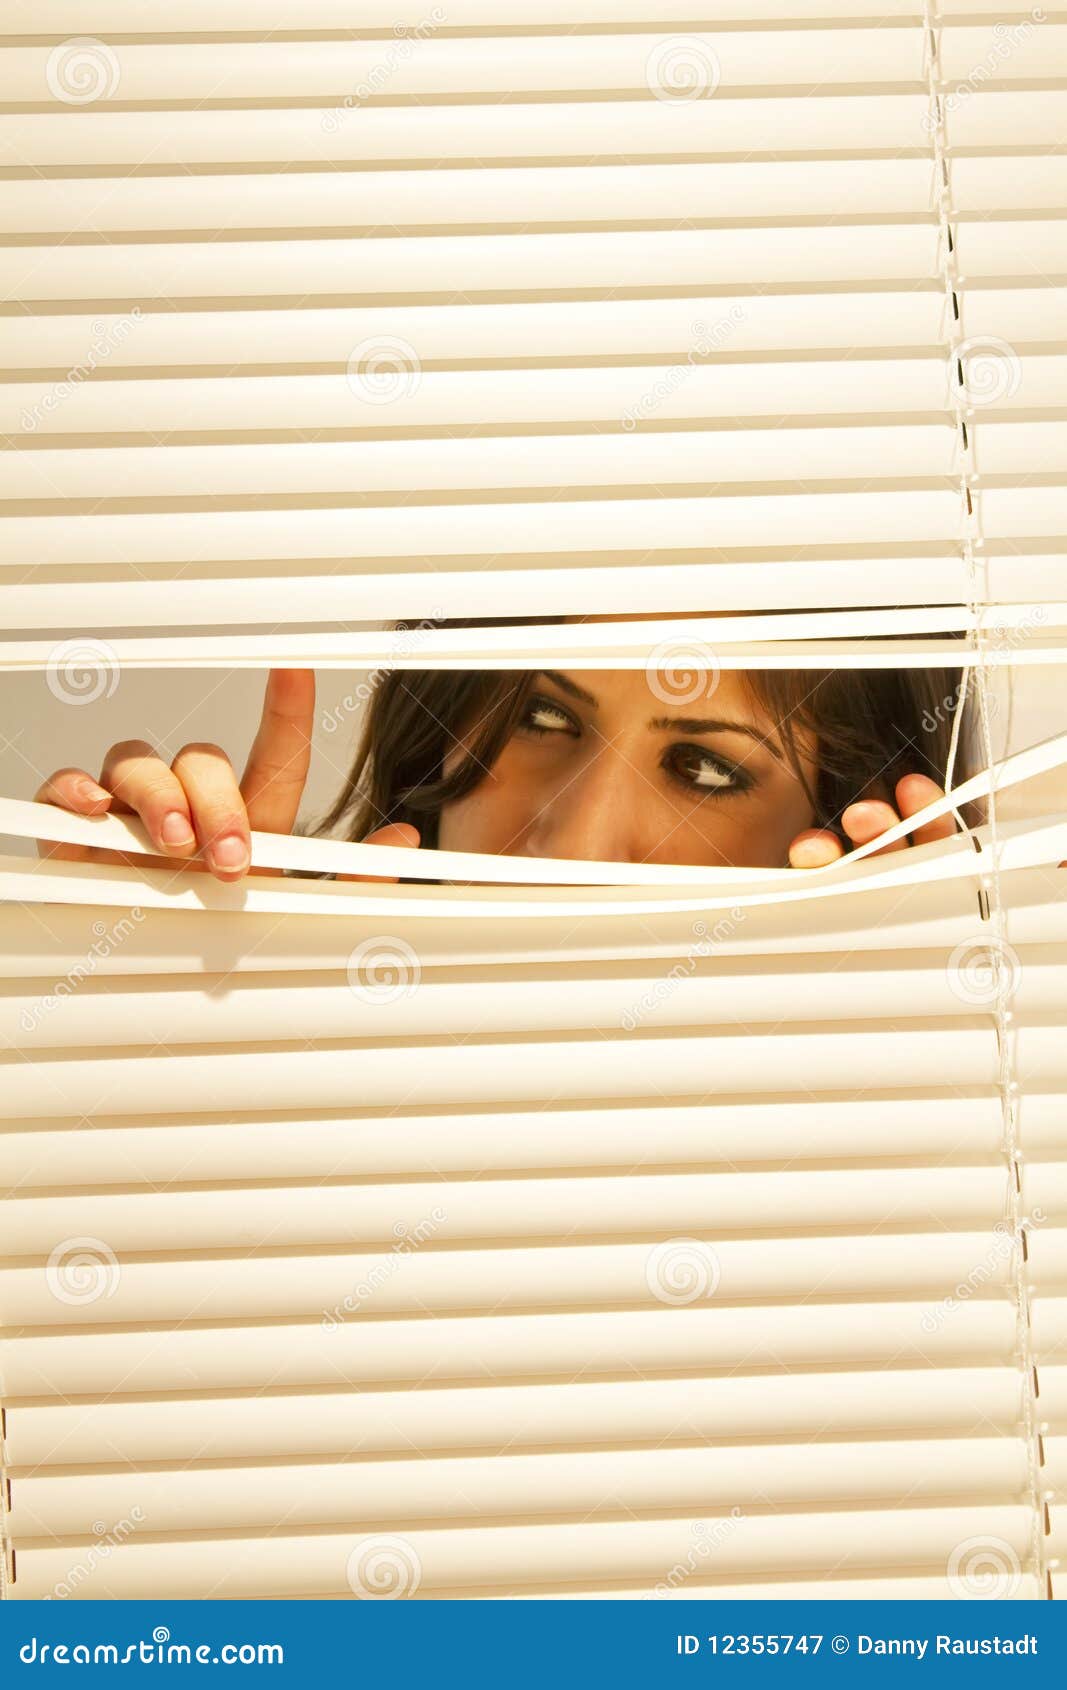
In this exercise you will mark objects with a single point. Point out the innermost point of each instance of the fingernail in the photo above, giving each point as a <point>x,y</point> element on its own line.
<point>809,851</point>
<point>231,854</point>
<point>91,793</point>
<point>176,830</point>
<point>858,818</point>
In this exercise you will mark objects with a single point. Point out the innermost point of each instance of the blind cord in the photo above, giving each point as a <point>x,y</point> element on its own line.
<point>991,903</point>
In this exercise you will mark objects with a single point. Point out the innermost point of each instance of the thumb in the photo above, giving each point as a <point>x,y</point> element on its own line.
<point>394,833</point>
<point>816,847</point>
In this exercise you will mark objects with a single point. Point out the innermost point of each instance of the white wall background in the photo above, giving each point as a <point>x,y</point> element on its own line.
<point>41,732</point>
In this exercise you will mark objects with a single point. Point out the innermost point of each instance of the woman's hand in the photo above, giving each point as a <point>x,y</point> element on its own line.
<point>869,819</point>
<point>194,810</point>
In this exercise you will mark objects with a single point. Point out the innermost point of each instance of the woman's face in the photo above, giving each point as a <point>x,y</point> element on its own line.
<point>601,768</point>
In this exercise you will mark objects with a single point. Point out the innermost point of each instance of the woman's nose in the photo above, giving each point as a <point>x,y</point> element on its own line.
<point>591,814</point>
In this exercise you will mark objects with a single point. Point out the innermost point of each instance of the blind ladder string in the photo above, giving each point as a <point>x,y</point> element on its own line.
<point>991,901</point>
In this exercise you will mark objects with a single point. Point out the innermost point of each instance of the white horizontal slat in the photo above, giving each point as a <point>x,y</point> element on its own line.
<point>394,200</point>
<point>582,331</point>
<point>143,19</point>
<point>610,528</point>
<point>473,1490</point>
<point>1049,1320</point>
<point>873,124</point>
<point>871,1542</point>
<point>581,131</point>
<point>1036,52</point>
<point>1017,315</point>
<point>513,1071</point>
<point>384,469</point>
<point>625,888</point>
<point>550,588</point>
<point>653,1412</point>
<point>698,1338</point>
<point>995,185</point>
<point>587,1207</point>
<point>435,267</point>
<point>1047,1252</point>
<point>874,1588</point>
<point>577,331</point>
<point>455,1003</point>
<point>1003,119</point>
<point>173,598</point>
<point>480,67</point>
<point>750,1131</point>
<point>371,1285</point>
<point>170,941</point>
<point>602,526</point>
<point>649,463</point>
<point>439,401</point>
<point>917,627</point>
<point>1055,1468</point>
<point>1025,247</point>
<point>627,63</point>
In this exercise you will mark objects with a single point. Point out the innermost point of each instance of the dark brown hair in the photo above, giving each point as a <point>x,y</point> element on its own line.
<point>870,726</point>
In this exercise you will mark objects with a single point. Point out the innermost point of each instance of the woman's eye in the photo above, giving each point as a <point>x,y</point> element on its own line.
<point>544,717</point>
<point>699,768</point>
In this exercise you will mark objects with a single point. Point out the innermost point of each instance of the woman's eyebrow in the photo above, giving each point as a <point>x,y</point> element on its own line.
<point>712,725</point>
<point>568,686</point>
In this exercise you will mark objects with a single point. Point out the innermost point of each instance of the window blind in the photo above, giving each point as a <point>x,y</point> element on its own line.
<point>322,315</point>
<point>574,1229</point>
<point>665,1250</point>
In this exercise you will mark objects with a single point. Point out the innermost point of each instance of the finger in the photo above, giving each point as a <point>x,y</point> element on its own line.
<point>217,809</point>
<point>141,781</point>
<point>71,789</point>
<point>274,779</point>
<point>914,793</point>
<point>395,833</point>
<point>815,848</point>
<point>868,820</point>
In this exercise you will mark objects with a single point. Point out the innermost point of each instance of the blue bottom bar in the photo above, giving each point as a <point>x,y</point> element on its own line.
<point>540,1643</point>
